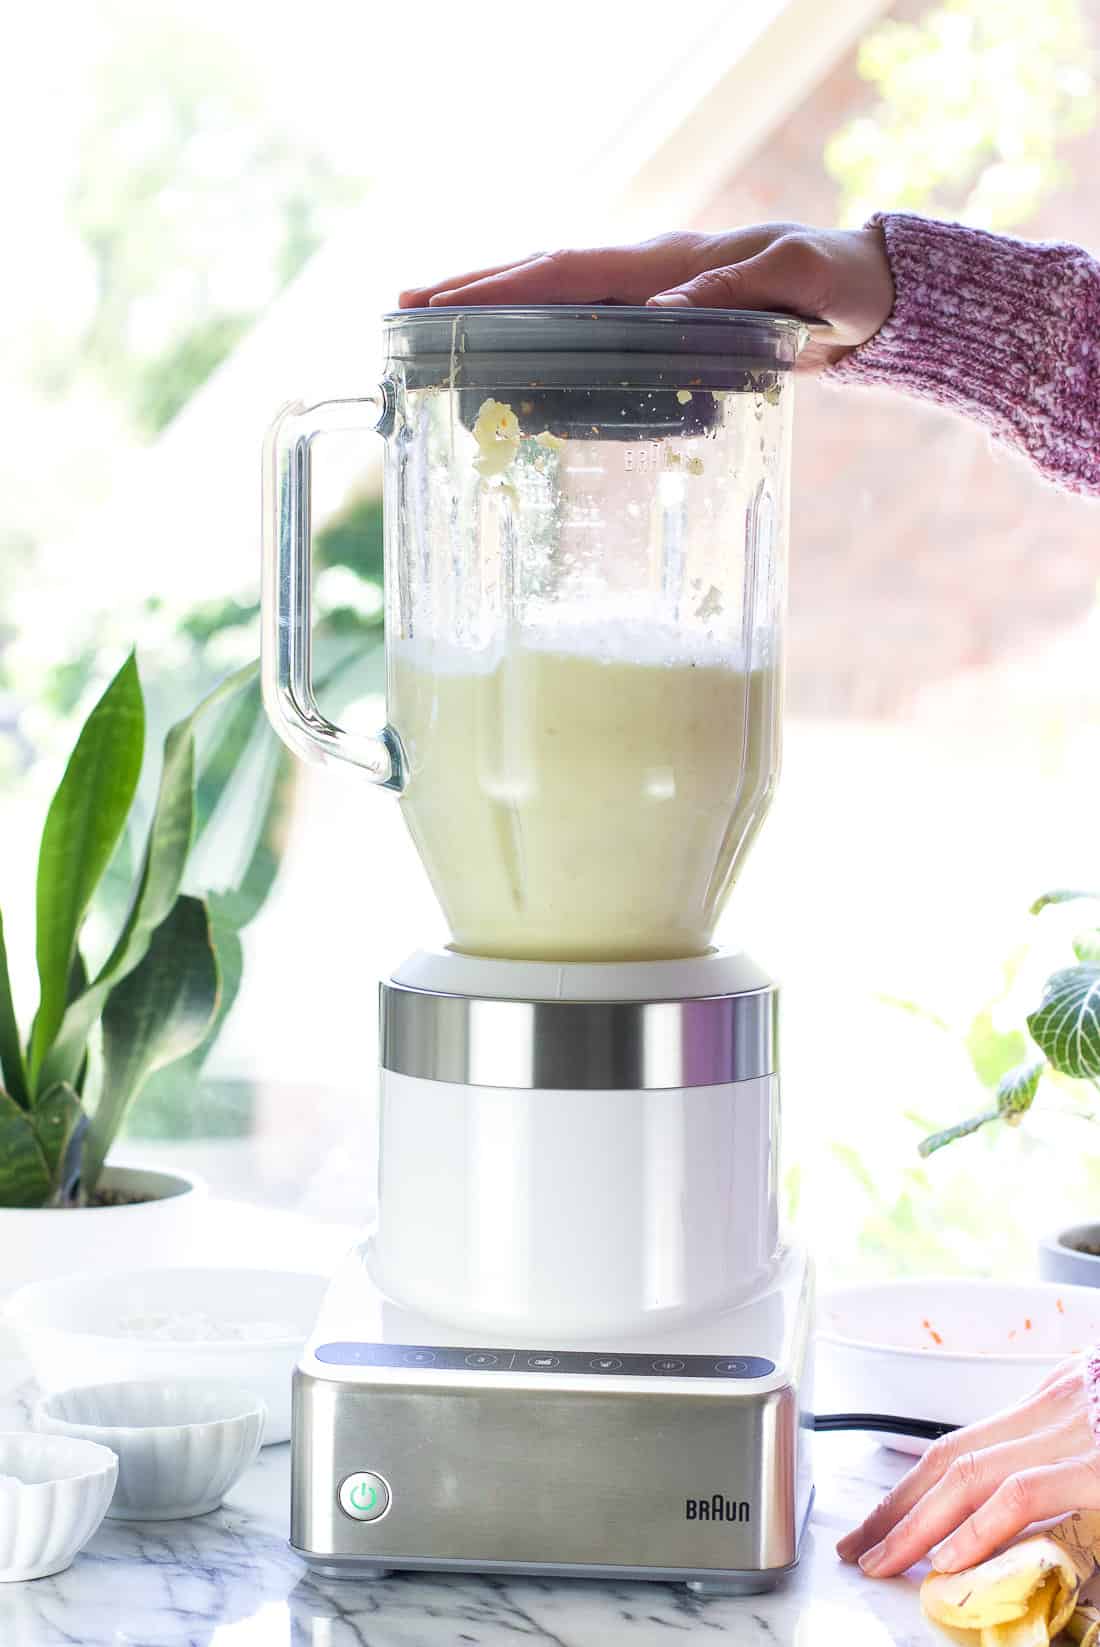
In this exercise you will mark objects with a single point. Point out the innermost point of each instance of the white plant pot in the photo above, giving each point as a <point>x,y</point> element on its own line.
<point>39,1244</point>
<point>1061,1260</point>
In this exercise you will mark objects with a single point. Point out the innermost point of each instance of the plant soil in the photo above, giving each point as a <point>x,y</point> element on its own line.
<point>1091,1249</point>
<point>109,1198</point>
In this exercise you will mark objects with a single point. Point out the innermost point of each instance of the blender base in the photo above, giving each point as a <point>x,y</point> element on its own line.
<point>679,1456</point>
<point>725,1584</point>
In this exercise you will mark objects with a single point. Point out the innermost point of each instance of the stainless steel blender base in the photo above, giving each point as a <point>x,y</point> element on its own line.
<point>682,1460</point>
<point>700,1584</point>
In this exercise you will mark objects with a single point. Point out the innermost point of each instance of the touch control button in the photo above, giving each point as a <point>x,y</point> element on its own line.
<point>482,1358</point>
<point>745,1366</point>
<point>543,1363</point>
<point>605,1363</point>
<point>364,1496</point>
<point>668,1364</point>
<point>418,1358</point>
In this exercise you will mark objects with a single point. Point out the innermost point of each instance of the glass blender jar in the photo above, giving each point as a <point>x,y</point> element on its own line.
<point>585,547</point>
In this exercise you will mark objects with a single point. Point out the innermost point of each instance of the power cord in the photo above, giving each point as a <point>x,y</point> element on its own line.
<point>923,1429</point>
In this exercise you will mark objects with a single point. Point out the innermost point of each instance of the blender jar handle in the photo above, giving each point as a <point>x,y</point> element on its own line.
<point>286,643</point>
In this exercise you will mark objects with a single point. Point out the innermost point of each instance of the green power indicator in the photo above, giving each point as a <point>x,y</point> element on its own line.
<point>364,1495</point>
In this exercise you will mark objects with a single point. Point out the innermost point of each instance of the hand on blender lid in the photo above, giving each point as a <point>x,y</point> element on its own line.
<point>839,276</point>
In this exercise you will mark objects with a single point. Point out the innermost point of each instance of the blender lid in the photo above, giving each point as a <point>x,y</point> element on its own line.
<point>594,345</point>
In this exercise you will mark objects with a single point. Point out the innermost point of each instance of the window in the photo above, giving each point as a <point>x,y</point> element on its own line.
<point>215,209</point>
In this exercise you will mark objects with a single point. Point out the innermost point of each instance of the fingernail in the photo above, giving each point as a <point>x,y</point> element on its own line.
<point>872,1561</point>
<point>945,1559</point>
<point>672,300</point>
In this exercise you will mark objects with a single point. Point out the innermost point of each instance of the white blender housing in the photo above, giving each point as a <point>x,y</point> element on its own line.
<point>575,1341</point>
<point>589,1170</point>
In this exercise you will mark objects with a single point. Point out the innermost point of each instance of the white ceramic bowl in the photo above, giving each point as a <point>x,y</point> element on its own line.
<point>951,1350</point>
<point>161,1325</point>
<point>181,1446</point>
<point>54,1493</point>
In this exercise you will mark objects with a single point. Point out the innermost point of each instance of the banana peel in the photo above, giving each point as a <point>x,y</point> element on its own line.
<point>1026,1595</point>
<point>1084,1626</point>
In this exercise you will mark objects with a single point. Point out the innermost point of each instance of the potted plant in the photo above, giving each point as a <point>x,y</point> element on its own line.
<point>1065,1028</point>
<point>70,1077</point>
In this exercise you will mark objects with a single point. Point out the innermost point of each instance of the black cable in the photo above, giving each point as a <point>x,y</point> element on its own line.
<point>923,1429</point>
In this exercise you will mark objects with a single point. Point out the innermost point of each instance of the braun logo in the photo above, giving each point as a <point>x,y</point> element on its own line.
<point>718,1509</point>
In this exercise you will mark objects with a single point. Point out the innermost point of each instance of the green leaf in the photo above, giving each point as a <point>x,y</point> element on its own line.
<point>222,761</point>
<point>961,1129</point>
<point>24,1175</point>
<point>793,1185</point>
<point>12,1067</point>
<point>60,1125</point>
<point>853,1160</point>
<point>83,825</point>
<point>114,890</point>
<point>159,1012</point>
<point>78,983</point>
<point>1062,895</point>
<point>230,956</point>
<point>993,1052</point>
<point>158,884</point>
<point>915,1010</point>
<point>1016,1091</point>
<point>1017,1088</point>
<point>78,977</point>
<point>163,864</point>
<point>1086,946</point>
<point>240,904</point>
<point>1066,1024</point>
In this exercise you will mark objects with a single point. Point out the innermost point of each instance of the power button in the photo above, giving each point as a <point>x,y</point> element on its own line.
<point>364,1496</point>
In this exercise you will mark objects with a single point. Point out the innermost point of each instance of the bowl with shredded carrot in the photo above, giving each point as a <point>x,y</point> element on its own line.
<point>952,1350</point>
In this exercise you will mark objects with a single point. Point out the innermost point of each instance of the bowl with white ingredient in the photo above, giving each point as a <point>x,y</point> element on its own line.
<point>246,1326</point>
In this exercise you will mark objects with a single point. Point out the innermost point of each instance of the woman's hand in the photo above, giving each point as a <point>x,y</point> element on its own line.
<point>978,1488</point>
<point>838,277</point>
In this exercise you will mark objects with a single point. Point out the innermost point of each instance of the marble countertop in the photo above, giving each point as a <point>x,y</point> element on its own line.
<point>229,1580</point>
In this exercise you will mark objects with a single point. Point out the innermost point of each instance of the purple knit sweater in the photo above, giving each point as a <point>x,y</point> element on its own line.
<point>1002,330</point>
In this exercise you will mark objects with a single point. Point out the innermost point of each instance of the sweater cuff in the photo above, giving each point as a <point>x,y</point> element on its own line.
<point>998,329</point>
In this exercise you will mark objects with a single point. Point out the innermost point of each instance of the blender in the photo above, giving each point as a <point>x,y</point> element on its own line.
<point>575,1340</point>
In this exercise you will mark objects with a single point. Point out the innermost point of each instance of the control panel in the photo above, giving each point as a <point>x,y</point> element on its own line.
<point>590,1363</point>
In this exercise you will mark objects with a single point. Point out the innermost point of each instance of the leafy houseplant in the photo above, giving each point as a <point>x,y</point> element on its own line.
<point>97,1037</point>
<point>1065,1027</point>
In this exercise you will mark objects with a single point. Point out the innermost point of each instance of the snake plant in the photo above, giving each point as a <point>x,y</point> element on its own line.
<point>162,989</point>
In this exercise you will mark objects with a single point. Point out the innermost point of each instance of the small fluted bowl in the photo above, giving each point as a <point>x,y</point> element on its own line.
<point>181,1444</point>
<point>54,1492</point>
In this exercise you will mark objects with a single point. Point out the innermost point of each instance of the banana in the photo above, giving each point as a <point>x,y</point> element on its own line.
<point>1028,1593</point>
